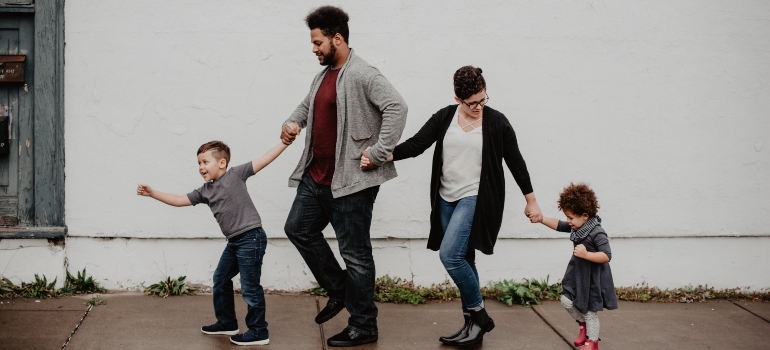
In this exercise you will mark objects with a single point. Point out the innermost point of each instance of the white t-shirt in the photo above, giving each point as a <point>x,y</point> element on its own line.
<point>461,169</point>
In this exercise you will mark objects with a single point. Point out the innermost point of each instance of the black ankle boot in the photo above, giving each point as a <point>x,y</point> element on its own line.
<point>481,323</point>
<point>462,333</point>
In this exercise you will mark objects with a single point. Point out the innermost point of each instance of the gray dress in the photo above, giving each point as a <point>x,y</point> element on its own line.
<point>588,284</point>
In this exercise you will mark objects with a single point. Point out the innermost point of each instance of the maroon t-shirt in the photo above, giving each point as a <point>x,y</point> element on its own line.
<point>321,169</point>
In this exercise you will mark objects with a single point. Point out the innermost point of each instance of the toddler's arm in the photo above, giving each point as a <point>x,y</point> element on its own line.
<point>168,198</point>
<point>552,223</point>
<point>261,162</point>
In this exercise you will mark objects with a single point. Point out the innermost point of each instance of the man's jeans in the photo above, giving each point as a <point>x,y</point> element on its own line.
<point>351,217</point>
<point>242,254</point>
<point>458,260</point>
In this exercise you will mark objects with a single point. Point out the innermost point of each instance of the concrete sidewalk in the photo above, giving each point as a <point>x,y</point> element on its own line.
<point>135,321</point>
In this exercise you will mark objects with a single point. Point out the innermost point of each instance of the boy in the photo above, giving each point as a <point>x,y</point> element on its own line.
<point>226,194</point>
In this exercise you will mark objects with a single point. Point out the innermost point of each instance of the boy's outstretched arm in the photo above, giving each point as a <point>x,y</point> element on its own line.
<point>168,198</point>
<point>269,156</point>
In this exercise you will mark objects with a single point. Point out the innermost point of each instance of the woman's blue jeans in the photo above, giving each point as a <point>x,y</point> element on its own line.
<point>458,260</point>
<point>243,254</point>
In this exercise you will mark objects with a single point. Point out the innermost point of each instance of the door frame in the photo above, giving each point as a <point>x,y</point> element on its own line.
<point>48,121</point>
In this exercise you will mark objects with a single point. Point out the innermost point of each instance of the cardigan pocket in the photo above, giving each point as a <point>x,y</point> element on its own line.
<point>359,144</point>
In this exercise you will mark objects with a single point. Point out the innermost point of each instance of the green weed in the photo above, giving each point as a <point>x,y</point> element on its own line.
<point>170,287</point>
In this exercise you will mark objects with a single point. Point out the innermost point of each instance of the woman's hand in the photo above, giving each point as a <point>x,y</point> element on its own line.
<point>532,210</point>
<point>366,163</point>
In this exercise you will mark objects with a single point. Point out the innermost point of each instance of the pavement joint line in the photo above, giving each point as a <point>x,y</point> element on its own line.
<point>320,326</point>
<point>749,311</point>
<point>88,309</point>
<point>553,329</point>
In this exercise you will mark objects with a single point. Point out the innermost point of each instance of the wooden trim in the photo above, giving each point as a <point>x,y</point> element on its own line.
<point>32,232</point>
<point>48,140</point>
<point>27,9</point>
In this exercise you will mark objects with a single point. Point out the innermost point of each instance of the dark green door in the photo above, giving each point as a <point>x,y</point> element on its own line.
<point>16,104</point>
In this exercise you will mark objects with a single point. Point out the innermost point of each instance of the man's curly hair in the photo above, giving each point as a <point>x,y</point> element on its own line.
<point>468,81</point>
<point>330,20</point>
<point>579,199</point>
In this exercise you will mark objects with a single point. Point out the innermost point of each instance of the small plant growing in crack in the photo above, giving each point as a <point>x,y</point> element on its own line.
<point>94,301</point>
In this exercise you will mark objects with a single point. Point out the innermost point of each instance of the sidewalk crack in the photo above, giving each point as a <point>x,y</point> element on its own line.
<point>553,329</point>
<point>77,326</point>
<point>320,326</point>
<point>749,311</point>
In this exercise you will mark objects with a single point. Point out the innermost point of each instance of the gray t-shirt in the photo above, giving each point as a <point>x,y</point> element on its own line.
<point>229,200</point>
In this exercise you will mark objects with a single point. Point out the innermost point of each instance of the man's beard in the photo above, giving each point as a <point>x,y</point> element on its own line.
<point>328,58</point>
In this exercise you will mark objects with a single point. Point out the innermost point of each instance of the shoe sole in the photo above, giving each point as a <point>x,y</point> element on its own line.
<point>345,344</point>
<point>221,332</point>
<point>258,342</point>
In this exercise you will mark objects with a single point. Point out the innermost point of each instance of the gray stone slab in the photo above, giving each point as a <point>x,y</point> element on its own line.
<point>761,309</point>
<point>714,324</point>
<point>36,329</point>
<point>403,326</point>
<point>54,304</point>
<point>144,322</point>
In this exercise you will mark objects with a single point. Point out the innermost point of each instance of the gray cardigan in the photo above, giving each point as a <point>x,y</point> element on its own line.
<point>370,113</point>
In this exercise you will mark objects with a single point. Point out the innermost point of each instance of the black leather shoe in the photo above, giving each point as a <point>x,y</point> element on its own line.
<point>462,333</point>
<point>349,337</point>
<point>481,323</point>
<point>333,307</point>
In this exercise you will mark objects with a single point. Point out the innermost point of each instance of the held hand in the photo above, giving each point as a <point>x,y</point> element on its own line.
<point>366,163</point>
<point>289,133</point>
<point>533,219</point>
<point>580,251</point>
<point>532,211</point>
<point>144,190</point>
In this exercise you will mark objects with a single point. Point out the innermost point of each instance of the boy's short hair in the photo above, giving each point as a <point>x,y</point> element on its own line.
<point>468,81</point>
<point>218,149</point>
<point>330,20</point>
<point>579,199</point>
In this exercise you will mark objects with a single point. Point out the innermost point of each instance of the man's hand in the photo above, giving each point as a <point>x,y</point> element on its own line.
<point>144,190</point>
<point>366,163</point>
<point>580,251</point>
<point>289,133</point>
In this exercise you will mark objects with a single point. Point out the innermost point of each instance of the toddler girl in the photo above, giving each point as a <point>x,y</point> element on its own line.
<point>587,285</point>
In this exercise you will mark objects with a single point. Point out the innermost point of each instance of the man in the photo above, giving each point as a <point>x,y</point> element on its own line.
<point>351,108</point>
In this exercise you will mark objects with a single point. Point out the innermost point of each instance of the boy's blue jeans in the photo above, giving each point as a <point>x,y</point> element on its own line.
<point>458,260</point>
<point>243,254</point>
<point>351,217</point>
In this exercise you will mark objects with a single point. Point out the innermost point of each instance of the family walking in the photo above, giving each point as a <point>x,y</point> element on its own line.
<point>354,119</point>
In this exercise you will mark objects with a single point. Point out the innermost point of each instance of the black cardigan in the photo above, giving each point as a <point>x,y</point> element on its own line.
<point>499,142</point>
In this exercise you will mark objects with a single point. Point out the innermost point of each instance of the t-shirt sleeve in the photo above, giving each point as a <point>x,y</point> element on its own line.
<point>603,244</point>
<point>563,226</point>
<point>244,171</point>
<point>195,196</point>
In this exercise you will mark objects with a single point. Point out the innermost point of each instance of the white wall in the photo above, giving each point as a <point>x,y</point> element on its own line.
<point>663,107</point>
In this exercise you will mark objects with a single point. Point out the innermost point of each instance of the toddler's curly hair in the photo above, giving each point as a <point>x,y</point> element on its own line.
<point>579,199</point>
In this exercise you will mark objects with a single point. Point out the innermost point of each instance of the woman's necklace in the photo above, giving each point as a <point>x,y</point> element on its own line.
<point>467,124</point>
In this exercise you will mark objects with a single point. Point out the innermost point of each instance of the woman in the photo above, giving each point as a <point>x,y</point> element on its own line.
<point>468,189</point>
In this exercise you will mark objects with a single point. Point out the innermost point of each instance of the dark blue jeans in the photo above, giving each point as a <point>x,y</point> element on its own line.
<point>458,260</point>
<point>351,217</point>
<point>243,254</point>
